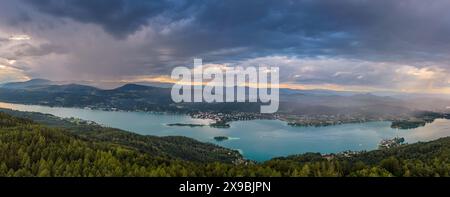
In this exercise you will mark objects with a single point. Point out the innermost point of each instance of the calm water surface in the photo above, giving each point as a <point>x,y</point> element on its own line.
<point>256,139</point>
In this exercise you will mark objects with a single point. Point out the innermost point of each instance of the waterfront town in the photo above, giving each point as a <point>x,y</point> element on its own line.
<point>232,116</point>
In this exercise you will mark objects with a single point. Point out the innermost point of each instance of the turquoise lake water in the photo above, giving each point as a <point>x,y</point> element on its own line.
<point>256,139</point>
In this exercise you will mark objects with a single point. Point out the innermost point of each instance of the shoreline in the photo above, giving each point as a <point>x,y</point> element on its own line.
<point>223,120</point>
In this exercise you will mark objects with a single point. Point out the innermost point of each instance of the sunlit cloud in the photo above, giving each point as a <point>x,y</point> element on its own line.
<point>19,37</point>
<point>10,74</point>
<point>148,78</point>
<point>420,73</point>
<point>11,61</point>
<point>335,74</point>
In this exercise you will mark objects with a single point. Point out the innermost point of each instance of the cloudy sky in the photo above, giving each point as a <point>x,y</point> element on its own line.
<point>365,45</point>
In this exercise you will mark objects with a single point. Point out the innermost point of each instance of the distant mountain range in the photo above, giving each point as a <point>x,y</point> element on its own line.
<point>148,98</point>
<point>27,84</point>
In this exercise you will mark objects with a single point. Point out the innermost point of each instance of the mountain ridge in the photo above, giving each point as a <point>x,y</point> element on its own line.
<point>137,97</point>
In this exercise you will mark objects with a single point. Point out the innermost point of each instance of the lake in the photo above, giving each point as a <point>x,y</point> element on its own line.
<point>256,139</point>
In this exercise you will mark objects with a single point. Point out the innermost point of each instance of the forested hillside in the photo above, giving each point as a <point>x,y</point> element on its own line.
<point>30,149</point>
<point>174,147</point>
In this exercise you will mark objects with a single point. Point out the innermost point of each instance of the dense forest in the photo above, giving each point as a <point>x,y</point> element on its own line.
<point>29,148</point>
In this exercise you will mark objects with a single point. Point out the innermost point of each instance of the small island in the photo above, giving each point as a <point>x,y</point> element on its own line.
<point>221,138</point>
<point>185,125</point>
<point>220,124</point>
<point>217,124</point>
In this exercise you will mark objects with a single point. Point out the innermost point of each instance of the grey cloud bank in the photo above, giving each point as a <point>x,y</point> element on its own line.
<point>401,45</point>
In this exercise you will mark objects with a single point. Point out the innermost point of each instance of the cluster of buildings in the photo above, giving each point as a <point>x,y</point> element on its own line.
<point>79,121</point>
<point>231,116</point>
<point>346,154</point>
<point>390,143</point>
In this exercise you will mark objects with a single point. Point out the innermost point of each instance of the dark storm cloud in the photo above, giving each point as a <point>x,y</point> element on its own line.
<point>119,17</point>
<point>377,30</point>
